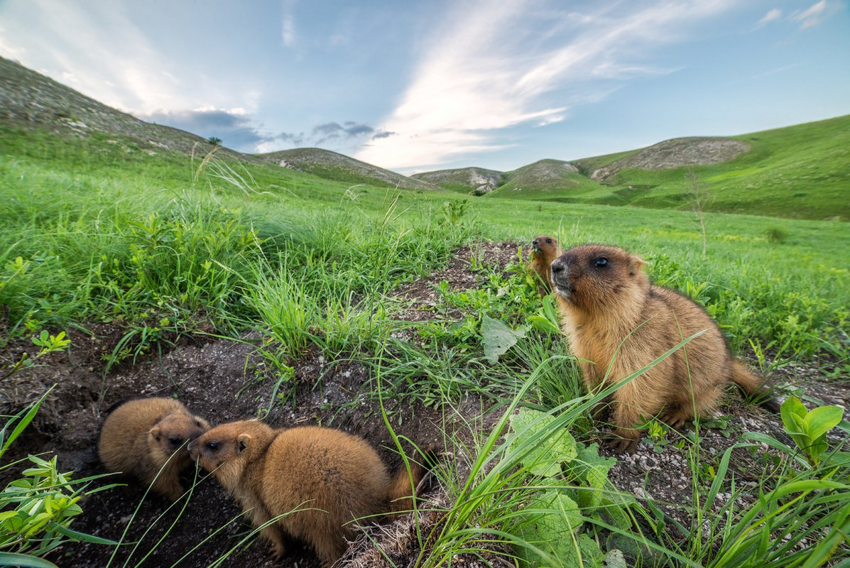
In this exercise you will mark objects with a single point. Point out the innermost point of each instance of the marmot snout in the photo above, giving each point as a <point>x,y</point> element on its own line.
<point>317,480</point>
<point>140,436</point>
<point>617,323</point>
<point>544,250</point>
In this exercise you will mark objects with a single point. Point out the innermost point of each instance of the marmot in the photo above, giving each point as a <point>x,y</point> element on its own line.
<point>139,437</point>
<point>319,479</point>
<point>617,322</point>
<point>544,250</point>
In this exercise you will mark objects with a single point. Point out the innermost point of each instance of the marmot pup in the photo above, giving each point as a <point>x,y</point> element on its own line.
<point>319,479</point>
<point>139,437</point>
<point>544,250</point>
<point>617,322</point>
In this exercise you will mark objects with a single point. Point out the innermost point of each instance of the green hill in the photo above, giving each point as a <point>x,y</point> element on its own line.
<point>477,181</point>
<point>800,171</point>
<point>338,167</point>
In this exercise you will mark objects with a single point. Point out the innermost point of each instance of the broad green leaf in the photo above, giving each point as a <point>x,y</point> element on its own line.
<point>546,450</point>
<point>792,406</point>
<point>553,520</point>
<point>498,338</point>
<point>821,420</point>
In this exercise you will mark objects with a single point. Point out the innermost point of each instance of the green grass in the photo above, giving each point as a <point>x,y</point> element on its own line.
<point>95,229</point>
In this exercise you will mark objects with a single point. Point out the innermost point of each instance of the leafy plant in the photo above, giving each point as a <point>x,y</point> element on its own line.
<point>808,428</point>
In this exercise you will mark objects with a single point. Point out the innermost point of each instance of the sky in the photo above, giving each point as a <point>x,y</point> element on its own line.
<point>425,85</point>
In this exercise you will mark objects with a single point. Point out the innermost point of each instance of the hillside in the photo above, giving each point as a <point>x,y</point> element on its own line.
<point>31,101</point>
<point>800,171</point>
<point>545,177</point>
<point>478,181</point>
<point>338,167</point>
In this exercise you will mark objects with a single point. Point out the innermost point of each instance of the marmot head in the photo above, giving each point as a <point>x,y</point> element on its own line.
<point>226,448</point>
<point>544,248</point>
<point>593,276</point>
<point>174,431</point>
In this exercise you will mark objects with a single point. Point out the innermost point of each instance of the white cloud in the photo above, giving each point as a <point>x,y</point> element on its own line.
<point>771,16</point>
<point>813,15</point>
<point>287,25</point>
<point>485,70</point>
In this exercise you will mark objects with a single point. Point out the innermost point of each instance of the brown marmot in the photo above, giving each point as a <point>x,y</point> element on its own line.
<point>140,436</point>
<point>544,250</point>
<point>318,479</point>
<point>617,322</point>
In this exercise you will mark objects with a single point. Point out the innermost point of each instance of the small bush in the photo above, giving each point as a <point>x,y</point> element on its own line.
<point>776,235</point>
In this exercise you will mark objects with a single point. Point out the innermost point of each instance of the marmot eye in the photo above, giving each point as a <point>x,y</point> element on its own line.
<point>602,261</point>
<point>213,446</point>
<point>548,241</point>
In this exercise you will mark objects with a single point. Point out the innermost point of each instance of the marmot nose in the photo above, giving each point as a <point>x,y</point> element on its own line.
<point>535,242</point>
<point>558,267</point>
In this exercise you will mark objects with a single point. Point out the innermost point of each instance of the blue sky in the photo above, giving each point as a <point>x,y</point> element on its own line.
<point>417,86</point>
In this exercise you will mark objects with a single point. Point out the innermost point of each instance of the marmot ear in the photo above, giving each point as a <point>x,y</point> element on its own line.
<point>242,442</point>
<point>155,432</point>
<point>636,264</point>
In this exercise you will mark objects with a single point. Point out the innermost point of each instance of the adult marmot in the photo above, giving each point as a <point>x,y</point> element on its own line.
<point>317,480</point>
<point>544,250</point>
<point>617,322</point>
<point>140,436</point>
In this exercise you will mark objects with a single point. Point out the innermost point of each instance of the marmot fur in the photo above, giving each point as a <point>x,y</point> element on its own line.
<point>617,322</point>
<point>139,437</point>
<point>319,479</point>
<point>544,250</point>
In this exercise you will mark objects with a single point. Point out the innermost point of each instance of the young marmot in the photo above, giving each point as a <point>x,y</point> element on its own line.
<point>319,479</point>
<point>140,436</point>
<point>544,250</point>
<point>617,322</point>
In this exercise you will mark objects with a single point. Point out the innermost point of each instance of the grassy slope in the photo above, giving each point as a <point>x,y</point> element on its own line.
<point>801,171</point>
<point>337,167</point>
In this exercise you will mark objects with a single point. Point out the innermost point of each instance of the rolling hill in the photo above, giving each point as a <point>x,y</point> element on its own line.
<point>478,181</point>
<point>31,101</point>
<point>800,171</point>
<point>338,167</point>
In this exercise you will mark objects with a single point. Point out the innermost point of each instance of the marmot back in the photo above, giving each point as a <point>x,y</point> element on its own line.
<point>319,479</point>
<point>544,250</point>
<point>140,436</point>
<point>617,322</point>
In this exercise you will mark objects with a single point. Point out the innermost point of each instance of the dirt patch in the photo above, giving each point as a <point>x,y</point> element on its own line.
<point>464,272</point>
<point>221,380</point>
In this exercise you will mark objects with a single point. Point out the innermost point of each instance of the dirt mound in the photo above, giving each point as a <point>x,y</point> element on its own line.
<point>675,154</point>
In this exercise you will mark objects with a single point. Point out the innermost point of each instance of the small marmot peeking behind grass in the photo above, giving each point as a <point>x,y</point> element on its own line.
<point>316,480</point>
<point>140,436</point>
<point>544,250</point>
<point>617,322</point>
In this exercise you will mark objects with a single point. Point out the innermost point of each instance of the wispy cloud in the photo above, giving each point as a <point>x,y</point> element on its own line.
<point>771,16</point>
<point>483,72</point>
<point>813,15</point>
<point>287,25</point>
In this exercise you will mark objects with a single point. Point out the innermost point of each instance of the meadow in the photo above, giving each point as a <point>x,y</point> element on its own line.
<point>161,246</point>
